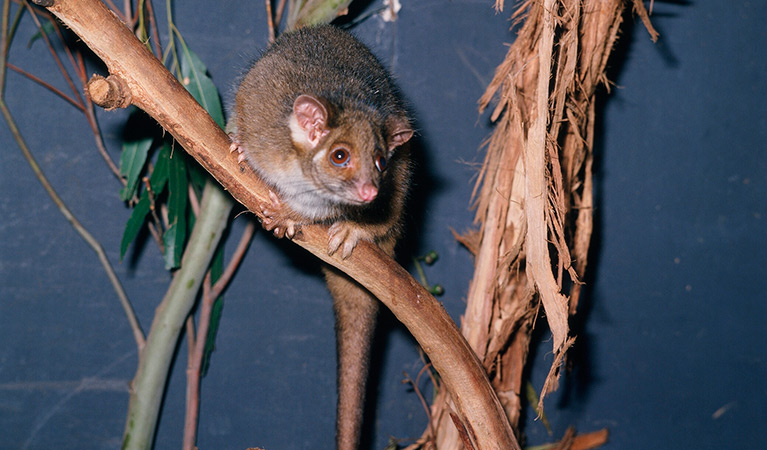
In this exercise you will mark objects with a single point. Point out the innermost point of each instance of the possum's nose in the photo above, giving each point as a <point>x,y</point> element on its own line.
<point>367,192</point>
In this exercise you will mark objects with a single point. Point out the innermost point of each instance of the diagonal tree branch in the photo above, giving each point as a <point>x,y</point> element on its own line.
<point>138,78</point>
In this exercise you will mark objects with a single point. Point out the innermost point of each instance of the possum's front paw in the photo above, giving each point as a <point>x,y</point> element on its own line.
<point>345,235</point>
<point>277,219</point>
<point>235,146</point>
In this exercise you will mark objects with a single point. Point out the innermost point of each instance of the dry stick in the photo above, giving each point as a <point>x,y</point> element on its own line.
<point>149,86</point>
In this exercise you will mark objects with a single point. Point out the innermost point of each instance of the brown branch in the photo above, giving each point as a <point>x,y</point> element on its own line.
<point>46,85</point>
<point>237,256</point>
<point>155,91</point>
<point>197,346</point>
<point>196,353</point>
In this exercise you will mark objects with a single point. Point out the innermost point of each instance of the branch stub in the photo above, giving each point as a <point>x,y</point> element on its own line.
<point>109,93</point>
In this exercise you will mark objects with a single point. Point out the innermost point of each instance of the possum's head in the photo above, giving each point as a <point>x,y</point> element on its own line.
<point>345,153</point>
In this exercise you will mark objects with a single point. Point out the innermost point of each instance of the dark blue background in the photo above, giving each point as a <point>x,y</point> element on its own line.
<point>671,351</point>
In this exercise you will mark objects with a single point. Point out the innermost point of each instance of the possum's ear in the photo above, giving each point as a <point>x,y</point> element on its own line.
<point>398,131</point>
<point>309,122</point>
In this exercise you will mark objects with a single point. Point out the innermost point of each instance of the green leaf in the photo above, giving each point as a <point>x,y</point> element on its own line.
<point>172,251</point>
<point>175,236</point>
<point>198,83</point>
<point>216,269</point>
<point>324,11</point>
<point>157,182</point>
<point>160,172</point>
<point>132,161</point>
<point>135,223</point>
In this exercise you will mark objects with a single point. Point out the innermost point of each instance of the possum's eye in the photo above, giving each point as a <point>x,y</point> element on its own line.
<point>380,163</point>
<point>339,156</point>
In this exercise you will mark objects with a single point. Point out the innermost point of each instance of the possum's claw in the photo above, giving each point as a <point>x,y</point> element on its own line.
<point>345,236</point>
<point>277,219</point>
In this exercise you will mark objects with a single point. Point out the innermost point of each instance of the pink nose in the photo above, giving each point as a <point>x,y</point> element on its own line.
<point>367,192</point>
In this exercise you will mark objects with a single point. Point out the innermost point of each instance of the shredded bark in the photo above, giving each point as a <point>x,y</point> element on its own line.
<point>533,196</point>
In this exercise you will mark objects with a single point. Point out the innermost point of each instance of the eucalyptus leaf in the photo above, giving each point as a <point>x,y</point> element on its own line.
<point>135,223</point>
<point>157,182</point>
<point>175,236</point>
<point>172,253</point>
<point>196,80</point>
<point>161,168</point>
<point>132,161</point>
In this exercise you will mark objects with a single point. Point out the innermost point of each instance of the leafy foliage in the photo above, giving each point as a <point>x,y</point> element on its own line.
<point>173,173</point>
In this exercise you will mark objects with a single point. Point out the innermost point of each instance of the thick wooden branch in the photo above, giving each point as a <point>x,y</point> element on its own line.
<point>144,82</point>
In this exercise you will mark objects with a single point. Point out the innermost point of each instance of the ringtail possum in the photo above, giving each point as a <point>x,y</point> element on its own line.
<point>320,120</point>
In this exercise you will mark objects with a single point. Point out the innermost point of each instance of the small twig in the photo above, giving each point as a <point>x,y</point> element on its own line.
<point>90,115</point>
<point>5,43</point>
<point>153,210</point>
<point>155,31</point>
<point>190,340</point>
<point>7,37</point>
<point>193,201</point>
<point>138,334</point>
<point>234,263</point>
<point>171,48</point>
<point>56,58</point>
<point>58,32</point>
<point>47,85</point>
<point>418,393</point>
<point>270,20</point>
